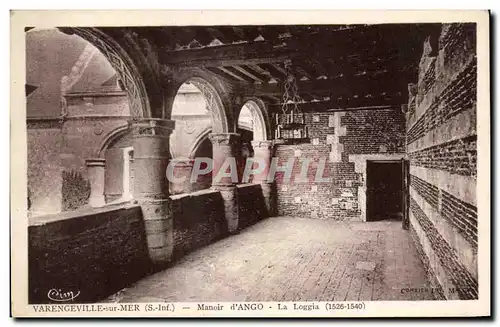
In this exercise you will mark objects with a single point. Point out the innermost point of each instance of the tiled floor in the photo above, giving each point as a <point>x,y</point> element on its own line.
<point>292,259</point>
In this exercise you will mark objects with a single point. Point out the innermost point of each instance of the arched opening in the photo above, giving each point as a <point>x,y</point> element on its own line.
<point>256,109</point>
<point>191,116</point>
<point>77,100</point>
<point>194,120</point>
<point>252,126</point>
<point>204,150</point>
<point>214,95</point>
<point>246,131</point>
<point>119,173</point>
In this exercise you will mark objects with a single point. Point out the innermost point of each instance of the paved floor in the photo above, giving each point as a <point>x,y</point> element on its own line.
<point>292,259</point>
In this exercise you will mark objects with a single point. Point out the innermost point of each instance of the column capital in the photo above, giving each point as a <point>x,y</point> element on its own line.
<point>95,162</point>
<point>224,187</point>
<point>182,162</point>
<point>224,138</point>
<point>267,144</point>
<point>151,126</point>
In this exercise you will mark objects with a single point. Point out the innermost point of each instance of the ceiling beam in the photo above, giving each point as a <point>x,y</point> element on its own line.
<point>251,73</point>
<point>278,67</point>
<point>307,97</point>
<point>237,74</point>
<point>276,73</point>
<point>222,73</point>
<point>380,107</point>
<point>227,55</point>
<point>337,87</point>
<point>271,99</point>
<point>337,105</point>
<point>369,40</point>
<point>303,72</point>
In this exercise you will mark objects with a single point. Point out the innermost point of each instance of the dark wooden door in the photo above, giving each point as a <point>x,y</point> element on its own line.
<point>384,190</point>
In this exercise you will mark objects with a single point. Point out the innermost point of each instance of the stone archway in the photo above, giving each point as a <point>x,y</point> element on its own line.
<point>214,104</point>
<point>141,102</point>
<point>215,92</point>
<point>260,118</point>
<point>263,150</point>
<point>204,135</point>
<point>111,137</point>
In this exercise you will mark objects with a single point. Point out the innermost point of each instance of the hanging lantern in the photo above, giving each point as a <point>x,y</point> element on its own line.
<point>290,123</point>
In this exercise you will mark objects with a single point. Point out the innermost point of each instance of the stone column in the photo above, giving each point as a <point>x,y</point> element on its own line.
<point>95,170</point>
<point>151,157</point>
<point>264,151</point>
<point>183,169</point>
<point>224,146</point>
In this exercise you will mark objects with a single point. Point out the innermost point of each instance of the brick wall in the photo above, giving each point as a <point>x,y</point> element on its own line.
<point>199,216</point>
<point>345,140</point>
<point>251,204</point>
<point>198,220</point>
<point>374,131</point>
<point>462,152</point>
<point>96,252</point>
<point>442,149</point>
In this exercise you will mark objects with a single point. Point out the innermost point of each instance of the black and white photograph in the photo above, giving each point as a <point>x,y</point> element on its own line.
<point>256,169</point>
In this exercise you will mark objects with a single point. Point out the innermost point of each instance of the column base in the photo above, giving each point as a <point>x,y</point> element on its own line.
<point>230,196</point>
<point>159,226</point>
<point>183,168</point>
<point>97,202</point>
<point>269,194</point>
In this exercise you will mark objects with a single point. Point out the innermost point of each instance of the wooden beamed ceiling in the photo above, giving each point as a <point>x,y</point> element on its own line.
<point>335,65</point>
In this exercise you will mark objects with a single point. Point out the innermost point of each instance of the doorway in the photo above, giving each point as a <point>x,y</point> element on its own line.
<point>385,200</point>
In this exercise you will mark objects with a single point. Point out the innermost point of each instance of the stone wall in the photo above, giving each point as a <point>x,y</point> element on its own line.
<point>58,147</point>
<point>44,168</point>
<point>346,140</point>
<point>442,149</point>
<point>96,253</point>
<point>187,133</point>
